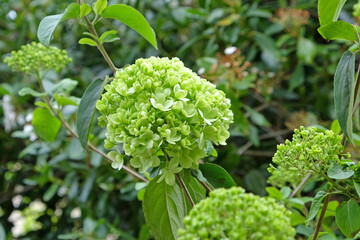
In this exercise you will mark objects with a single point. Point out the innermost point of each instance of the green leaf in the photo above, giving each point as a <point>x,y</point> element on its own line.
<point>46,126</point>
<point>28,91</point>
<point>336,171</point>
<point>306,50</point>
<point>72,11</point>
<point>85,9</point>
<point>297,78</point>
<point>329,10</point>
<point>89,183</point>
<point>132,18</point>
<point>315,205</point>
<point>357,187</point>
<point>64,86</point>
<point>63,101</point>
<point>217,176</point>
<point>87,41</point>
<point>109,36</point>
<point>347,217</point>
<point>4,89</point>
<point>296,218</point>
<point>48,24</point>
<point>344,90</point>
<point>86,111</point>
<point>274,192</point>
<point>51,191</point>
<point>196,190</point>
<point>164,209</point>
<point>335,127</point>
<point>99,6</point>
<point>2,232</point>
<point>339,30</point>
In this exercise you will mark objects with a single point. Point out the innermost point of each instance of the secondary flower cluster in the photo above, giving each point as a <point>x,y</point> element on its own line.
<point>158,105</point>
<point>309,151</point>
<point>234,214</point>
<point>35,57</point>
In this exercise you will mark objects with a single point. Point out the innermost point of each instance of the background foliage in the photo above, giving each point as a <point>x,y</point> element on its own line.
<point>266,55</point>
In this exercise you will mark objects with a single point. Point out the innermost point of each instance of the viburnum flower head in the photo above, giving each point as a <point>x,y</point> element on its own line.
<point>35,57</point>
<point>234,214</point>
<point>157,105</point>
<point>309,151</point>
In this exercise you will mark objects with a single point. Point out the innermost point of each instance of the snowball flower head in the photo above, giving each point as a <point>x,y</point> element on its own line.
<point>159,106</point>
<point>309,151</point>
<point>35,57</point>
<point>234,214</point>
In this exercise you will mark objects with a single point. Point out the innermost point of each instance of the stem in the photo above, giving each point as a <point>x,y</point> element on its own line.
<point>298,188</point>
<point>205,185</point>
<point>321,218</point>
<point>182,184</point>
<point>340,188</point>
<point>101,48</point>
<point>185,189</point>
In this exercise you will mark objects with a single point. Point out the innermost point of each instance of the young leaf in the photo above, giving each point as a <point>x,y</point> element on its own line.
<point>336,172</point>
<point>217,176</point>
<point>109,36</point>
<point>63,101</point>
<point>85,9</point>
<point>99,6</point>
<point>86,111</point>
<point>344,90</point>
<point>164,209</point>
<point>357,188</point>
<point>87,41</point>
<point>64,86</point>
<point>49,23</point>
<point>274,192</point>
<point>46,126</point>
<point>338,30</point>
<point>315,205</point>
<point>28,91</point>
<point>133,19</point>
<point>329,10</point>
<point>347,217</point>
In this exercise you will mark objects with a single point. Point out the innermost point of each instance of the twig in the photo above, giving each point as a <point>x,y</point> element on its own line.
<point>182,184</point>
<point>101,48</point>
<point>258,153</point>
<point>185,189</point>
<point>268,135</point>
<point>321,218</point>
<point>298,188</point>
<point>208,189</point>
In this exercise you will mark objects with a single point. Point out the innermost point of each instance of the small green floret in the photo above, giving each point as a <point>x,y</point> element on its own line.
<point>356,8</point>
<point>35,57</point>
<point>309,151</point>
<point>234,214</point>
<point>158,104</point>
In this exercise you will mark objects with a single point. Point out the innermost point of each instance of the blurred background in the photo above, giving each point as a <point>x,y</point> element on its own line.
<point>266,55</point>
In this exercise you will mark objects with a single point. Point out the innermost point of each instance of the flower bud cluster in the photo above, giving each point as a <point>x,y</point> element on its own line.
<point>309,151</point>
<point>234,214</point>
<point>356,9</point>
<point>35,57</point>
<point>156,104</point>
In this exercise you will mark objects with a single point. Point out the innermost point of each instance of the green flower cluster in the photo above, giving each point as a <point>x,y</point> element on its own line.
<point>234,214</point>
<point>35,57</point>
<point>158,105</point>
<point>309,151</point>
<point>356,8</point>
